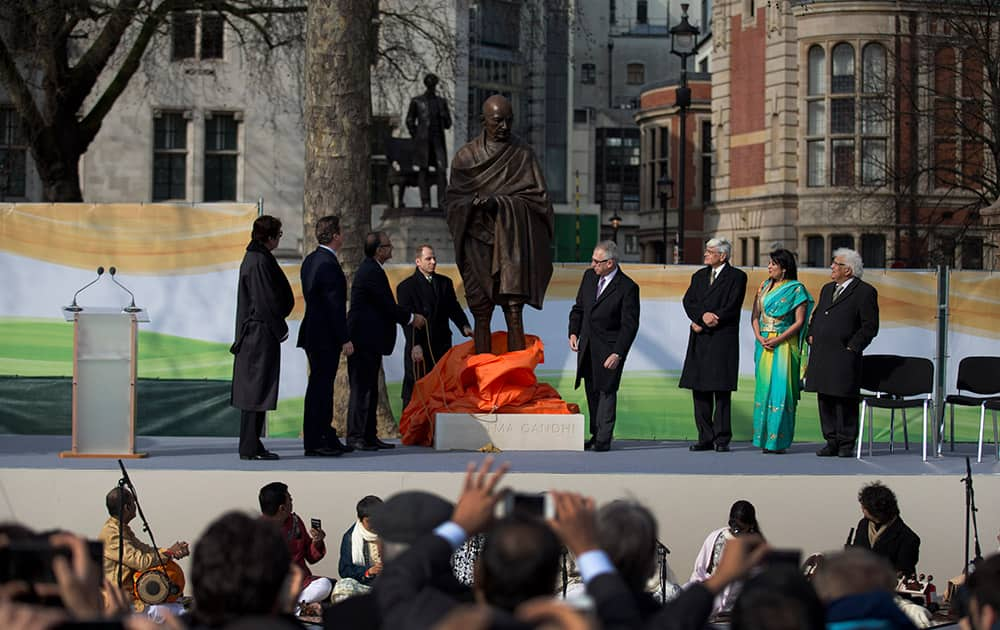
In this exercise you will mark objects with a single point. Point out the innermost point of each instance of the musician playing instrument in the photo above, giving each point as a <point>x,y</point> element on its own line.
<point>136,555</point>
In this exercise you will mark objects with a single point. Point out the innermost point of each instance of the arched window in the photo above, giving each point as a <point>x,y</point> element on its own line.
<point>875,115</point>
<point>817,71</point>
<point>873,69</point>
<point>843,69</point>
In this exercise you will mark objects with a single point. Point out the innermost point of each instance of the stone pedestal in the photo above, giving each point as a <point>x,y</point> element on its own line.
<point>410,227</point>
<point>509,431</point>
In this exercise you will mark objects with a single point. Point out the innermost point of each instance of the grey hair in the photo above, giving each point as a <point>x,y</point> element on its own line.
<point>723,245</point>
<point>852,259</point>
<point>610,248</point>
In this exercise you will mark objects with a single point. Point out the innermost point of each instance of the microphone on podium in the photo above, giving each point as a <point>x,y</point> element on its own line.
<point>131,308</point>
<point>74,307</point>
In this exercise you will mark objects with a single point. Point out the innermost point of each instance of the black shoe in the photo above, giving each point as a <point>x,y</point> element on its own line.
<point>589,444</point>
<point>337,445</point>
<point>846,452</point>
<point>826,451</point>
<point>263,455</point>
<point>721,448</point>
<point>324,452</point>
<point>383,446</point>
<point>699,446</point>
<point>768,451</point>
<point>601,448</point>
<point>361,445</point>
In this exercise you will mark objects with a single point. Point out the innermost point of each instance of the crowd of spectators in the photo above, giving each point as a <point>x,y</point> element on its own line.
<point>399,560</point>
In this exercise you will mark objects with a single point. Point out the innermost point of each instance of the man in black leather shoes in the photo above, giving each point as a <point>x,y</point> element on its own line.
<point>701,446</point>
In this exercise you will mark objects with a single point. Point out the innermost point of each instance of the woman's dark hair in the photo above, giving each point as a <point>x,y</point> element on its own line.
<point>266,227</point>
<point>880,502</point>
<point>743,518</point>
<point>786,260</point>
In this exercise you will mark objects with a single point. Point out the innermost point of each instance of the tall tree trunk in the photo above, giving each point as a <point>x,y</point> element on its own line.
<point>340,44</point>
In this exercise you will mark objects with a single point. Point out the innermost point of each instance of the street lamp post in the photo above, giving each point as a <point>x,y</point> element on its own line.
<point>683,38</point>
<point>665,189</point>
<point>616,222</point>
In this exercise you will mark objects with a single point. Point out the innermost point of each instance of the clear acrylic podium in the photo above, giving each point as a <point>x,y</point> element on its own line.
<point>104,375</point>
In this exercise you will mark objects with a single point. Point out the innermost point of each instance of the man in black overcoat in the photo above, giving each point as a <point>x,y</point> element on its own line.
<point>371,324</point>
<point>843,325</point>
<point>603,324</point>
<point>713,303</point>
<point>433,296</point>
<point>323,335</point>
<point>427,119</point>
<point>263,300</point>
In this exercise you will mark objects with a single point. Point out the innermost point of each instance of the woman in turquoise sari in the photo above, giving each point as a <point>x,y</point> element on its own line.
<point>780,312</point>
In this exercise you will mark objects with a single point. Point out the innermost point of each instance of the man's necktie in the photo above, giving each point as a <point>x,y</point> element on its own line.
<point>600,285</point>
<point>711,277</point>
<point>836,294</point>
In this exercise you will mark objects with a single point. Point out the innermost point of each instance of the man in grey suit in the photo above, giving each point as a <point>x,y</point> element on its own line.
<point>603,324</point>
<point>843,325</point>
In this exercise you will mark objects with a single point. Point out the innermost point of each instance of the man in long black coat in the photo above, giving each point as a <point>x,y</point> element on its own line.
<point>433,296</point>
<point>843,325</point>
<point>603,324</point>
<point>264,299</point>
<point>713,303</point>
<point>371,324</point>
<point>323,335</point>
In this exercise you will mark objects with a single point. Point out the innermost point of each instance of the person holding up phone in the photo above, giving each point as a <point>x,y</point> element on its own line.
<point>305,545</point>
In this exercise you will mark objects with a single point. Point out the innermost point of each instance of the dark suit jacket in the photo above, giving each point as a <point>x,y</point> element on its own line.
<point>604,325</point>
<point>712,363</point>
<point>324,325</point>
<point>899,544</point>
<point>840,332</point>
<point>263,300</point>
<point>437,302</point>
<point>371,322</point>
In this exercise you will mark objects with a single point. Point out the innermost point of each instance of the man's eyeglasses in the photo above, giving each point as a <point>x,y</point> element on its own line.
<point>594,261</point>
<point>384,245</point>
<point>839,264</point>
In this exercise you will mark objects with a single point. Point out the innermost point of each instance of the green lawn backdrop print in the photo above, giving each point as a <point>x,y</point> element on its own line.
<point>650,405</point>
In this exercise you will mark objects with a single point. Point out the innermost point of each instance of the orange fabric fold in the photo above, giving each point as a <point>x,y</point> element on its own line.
<point>465,382</point>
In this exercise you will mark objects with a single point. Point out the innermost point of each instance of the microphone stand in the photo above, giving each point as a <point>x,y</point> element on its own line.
<point>131,308</point>
<point>145,524</point>
<point>74,307</point>
<point>970,518</point>
<point>121,530</point>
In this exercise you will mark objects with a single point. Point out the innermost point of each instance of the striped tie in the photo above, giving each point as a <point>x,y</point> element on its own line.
<point>836,294</point>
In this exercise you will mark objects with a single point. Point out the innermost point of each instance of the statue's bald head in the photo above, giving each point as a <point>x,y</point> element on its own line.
<point>497,118</point>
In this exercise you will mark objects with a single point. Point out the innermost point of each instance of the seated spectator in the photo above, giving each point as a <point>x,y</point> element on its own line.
<point>883,531</point>
<point>627,532</point>
<point>983,587</point>
<point>400,521</point>
<point>240,569</point>
<point>742,520</point>
<point>779,598</point>
<point>858,589</point>
<point>303,545</point>
<point>360,553</point>
<point>136,556</point>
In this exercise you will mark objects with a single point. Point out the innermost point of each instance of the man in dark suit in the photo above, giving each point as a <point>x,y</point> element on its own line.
<point>713,303</point>
<point>433,296</point>
<point>602,326</point>
<point>263,300</point>
<point>843,325</point>
<point>371,325</point>
<point>323,335</point>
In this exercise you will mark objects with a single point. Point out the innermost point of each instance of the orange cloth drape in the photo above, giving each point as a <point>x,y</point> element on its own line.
<point>465,382</point>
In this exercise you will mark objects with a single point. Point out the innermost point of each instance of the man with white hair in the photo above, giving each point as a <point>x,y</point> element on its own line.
<point>713,304</point>
<point>843,325</point>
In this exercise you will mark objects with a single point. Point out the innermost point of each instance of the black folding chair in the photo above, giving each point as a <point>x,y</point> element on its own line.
<point>895,382</point>
<point>976,375</point>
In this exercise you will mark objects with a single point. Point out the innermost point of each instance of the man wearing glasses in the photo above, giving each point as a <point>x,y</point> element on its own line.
<point>844,323</point>
<point>713,303</point>
<point>602,326</point>
<point>371,325</point>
